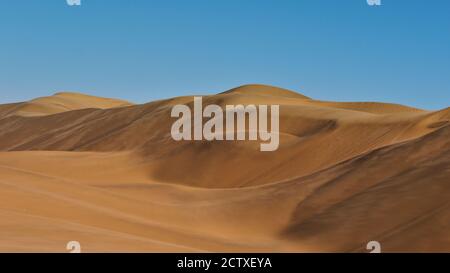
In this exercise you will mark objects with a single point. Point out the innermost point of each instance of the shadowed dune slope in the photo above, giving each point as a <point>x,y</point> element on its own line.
<point>397,194</point>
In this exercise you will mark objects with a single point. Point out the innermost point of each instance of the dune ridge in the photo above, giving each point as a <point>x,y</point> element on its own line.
<point>59,102</point>
<point>108,173</point>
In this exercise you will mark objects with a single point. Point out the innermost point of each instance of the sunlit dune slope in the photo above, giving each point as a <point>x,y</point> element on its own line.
<point>59,102</point>
<point>264,90</point>
<point>114,179</point>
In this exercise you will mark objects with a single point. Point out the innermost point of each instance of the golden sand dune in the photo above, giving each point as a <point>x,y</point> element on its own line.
<point>113,179</point>
<point>59,102</point>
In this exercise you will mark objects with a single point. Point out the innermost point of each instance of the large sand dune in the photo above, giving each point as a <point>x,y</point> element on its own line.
<point>108,174</point>
<point>59,102</point>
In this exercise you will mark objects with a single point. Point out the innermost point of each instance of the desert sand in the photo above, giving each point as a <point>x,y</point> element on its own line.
<point>107,173</point>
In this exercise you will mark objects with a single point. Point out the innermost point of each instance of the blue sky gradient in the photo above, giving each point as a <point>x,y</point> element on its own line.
<point>142,50</point>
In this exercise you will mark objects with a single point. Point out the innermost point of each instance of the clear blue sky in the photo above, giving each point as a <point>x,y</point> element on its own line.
<point>143,50</point>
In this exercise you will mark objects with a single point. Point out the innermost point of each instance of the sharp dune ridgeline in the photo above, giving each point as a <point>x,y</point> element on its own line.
<point>108,174</point>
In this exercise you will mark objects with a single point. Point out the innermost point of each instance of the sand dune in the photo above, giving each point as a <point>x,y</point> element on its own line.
<point>57,103</point>
<point>108,174</point>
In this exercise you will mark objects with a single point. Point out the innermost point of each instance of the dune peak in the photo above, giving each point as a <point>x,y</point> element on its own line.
<point>265,90</point>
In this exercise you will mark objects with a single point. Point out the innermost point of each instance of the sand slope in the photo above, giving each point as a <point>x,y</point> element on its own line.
<point>113,179</point>
<point>57,103</point>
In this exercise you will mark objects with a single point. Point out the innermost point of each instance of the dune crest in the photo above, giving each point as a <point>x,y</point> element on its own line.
<point>265,90</point>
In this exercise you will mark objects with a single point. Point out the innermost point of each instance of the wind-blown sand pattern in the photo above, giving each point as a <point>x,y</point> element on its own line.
<point>108,174</point>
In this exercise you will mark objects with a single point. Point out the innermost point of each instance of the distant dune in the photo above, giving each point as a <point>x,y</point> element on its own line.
<point>108,174</point>
<point>59,102</point>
